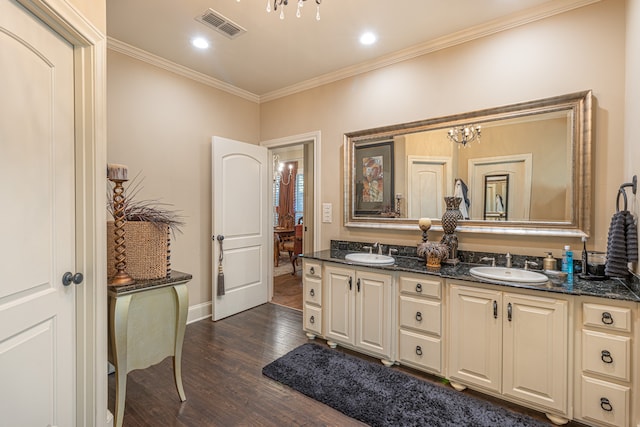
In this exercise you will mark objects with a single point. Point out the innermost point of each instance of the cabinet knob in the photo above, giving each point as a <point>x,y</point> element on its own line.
<point>606,356</point>
<point>312,320</point>
<point>312,270</point>
<point>418,288</point>
<point>419,316</point>
<point>418,350</point>
<point>605,404</point>
<point>607,318</point>
<point>312,292</point>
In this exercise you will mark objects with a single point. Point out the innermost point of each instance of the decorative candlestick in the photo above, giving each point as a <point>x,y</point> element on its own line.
<point>425,225</point>
<point>118,175</point>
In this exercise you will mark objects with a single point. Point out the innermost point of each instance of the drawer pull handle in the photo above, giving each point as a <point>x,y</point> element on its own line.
<point>607,318</point>
<point>606,356</point>
<point>418,350</point>
<point>509,312</point>
<point>312,320</point>
<point>418,288</point>
<point>358,284</point>
<point>312,270</point>
<point>350,283</point>
<point>605,404</point>
<point>419,316</point>
<point>312,292</point>
<point>495,309</point>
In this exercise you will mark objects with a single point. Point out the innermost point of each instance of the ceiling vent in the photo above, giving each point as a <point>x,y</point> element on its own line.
<point>221,24</point>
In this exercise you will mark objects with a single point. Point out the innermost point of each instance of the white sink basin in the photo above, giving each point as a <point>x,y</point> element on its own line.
<point>508,274</point>
<point>371,259</point>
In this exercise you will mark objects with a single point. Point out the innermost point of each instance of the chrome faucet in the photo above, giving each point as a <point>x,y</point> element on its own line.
<point>492,259</point>
<point>379,246</point>
<point>528,264</point>
<point>367,248</point>
<point>392,251</point>
<point>508,257</point>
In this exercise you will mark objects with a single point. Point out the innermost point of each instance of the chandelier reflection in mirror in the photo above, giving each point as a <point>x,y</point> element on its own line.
<point>282,3</point>
<point>278,169</point>
<point>464,134</point>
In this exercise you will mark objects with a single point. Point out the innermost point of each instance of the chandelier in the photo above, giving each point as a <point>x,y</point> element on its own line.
<point>282,3</point>
<point>464,134</point>
<point>278,169</point>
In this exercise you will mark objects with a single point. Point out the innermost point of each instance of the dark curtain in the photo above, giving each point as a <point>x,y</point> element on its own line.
<point>286,211</point>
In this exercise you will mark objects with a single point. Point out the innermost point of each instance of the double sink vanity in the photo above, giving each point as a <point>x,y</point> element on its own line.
<point>571,352</point>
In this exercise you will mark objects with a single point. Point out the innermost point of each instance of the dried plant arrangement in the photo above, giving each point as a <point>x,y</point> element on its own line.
<point>153,211</point>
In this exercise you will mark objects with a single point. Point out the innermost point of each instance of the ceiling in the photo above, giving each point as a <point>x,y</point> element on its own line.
<point>275,56</point>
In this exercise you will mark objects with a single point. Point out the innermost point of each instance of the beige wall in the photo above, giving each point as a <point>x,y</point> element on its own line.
<point>578,50</point>
<point>160,125</point>
<point>632,90</point>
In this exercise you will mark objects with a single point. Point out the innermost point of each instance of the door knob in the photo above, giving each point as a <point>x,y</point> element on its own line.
<point>69,278</point>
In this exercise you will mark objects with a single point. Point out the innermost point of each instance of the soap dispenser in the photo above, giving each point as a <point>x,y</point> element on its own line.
<point>549,262</point>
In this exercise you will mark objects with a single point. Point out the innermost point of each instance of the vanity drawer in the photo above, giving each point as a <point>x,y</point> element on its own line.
<point>606,354</point>
<point>421,314</point>
<point>423,286</point>
<point>313,319</point>
<point>606,316</point>
<point>604,402</point>
<point>420,350</point>
<point>312,269</point>
<point>312,290</point>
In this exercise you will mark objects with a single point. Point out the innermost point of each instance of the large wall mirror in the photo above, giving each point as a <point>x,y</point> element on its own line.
<point>520,169</point>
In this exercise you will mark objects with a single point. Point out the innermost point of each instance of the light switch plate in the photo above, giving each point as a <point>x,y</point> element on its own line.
<point>327,212</point>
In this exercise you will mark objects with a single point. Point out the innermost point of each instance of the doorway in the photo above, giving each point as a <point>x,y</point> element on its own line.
<point>296,218</point>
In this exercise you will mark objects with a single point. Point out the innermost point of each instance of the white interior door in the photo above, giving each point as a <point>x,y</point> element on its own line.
<point>37,195</point>
<point>240,190</point>
<point>429,179</point>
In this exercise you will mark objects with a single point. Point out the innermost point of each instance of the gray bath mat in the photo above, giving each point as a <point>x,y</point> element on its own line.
<point>381,396</point>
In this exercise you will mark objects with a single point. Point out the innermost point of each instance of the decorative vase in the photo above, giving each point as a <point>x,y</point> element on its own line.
<point>450,219</point>
<point>452,215</point>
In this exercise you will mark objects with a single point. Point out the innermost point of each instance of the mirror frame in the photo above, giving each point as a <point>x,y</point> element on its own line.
<point>579,104</point>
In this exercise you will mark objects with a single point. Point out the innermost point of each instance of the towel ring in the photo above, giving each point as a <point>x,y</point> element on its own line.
<point>634,187</point>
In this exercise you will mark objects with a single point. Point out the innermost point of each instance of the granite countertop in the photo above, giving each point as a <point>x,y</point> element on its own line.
<point>175,277</point>
<point>613,288</point>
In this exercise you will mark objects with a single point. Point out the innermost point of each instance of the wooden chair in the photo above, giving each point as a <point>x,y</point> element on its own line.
<point>293,245</point>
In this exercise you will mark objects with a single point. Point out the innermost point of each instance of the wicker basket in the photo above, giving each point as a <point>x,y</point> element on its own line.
<point>147,249</point>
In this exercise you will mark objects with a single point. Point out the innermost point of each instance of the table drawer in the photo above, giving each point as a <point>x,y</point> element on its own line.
<point>604,402</point>
<point>421,314</point>
<point>313,319</point>
<point>312,290</point>
<point>606,354</point>
<point>420,350</point>
<point>423,286</point>
<point>606,316</point>
<point>312,269</point>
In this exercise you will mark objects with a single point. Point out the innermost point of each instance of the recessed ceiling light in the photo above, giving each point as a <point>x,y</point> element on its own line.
<point>368,38</point>
<point>200,43</point>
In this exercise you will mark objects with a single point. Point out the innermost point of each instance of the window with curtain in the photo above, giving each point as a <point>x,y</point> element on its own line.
<point>298,197</point>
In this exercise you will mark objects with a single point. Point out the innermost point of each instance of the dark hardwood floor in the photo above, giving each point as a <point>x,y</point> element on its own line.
<point>222,377</point>
<point>287,290</point>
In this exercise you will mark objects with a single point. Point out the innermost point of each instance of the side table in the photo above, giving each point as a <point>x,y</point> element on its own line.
<point>147,320</point>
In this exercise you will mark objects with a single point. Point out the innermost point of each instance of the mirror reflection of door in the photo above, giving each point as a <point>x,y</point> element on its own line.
<point>496,192</point>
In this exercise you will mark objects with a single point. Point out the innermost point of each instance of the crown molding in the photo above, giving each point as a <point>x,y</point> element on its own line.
<point>546,10</point>
<point>543,11</point>
<point>142,55</point>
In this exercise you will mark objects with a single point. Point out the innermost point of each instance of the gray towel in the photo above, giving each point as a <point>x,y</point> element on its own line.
<point>622,244</point>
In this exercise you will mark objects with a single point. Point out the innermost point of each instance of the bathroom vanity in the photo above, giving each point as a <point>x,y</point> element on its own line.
<point>570,352</point>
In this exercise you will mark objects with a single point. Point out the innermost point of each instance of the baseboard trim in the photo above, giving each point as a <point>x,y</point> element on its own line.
<point>199,312</point>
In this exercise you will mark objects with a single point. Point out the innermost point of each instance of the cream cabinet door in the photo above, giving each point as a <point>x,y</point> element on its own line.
<point>535,350</point>
<point>339,304</point>
<point>373,312</point>
<point>475,337</point>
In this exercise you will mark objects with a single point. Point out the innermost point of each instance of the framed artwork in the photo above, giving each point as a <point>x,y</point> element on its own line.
<point>373,172</point>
